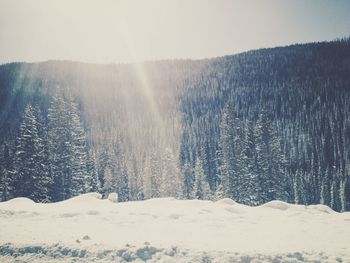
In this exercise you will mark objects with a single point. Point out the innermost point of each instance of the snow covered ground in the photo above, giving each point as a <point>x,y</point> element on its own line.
<point>88,229</point>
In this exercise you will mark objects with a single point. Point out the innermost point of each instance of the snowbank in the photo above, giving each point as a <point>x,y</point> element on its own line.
<point>113,197</point>
<point>88,228</point>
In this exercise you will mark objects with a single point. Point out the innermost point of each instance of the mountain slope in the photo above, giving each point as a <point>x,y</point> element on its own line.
<point>257,126</point>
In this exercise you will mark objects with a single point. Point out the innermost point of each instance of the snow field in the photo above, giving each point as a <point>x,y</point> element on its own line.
<point>86,228</point>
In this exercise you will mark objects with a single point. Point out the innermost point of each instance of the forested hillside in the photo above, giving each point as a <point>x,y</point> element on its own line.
<point>262,125</point>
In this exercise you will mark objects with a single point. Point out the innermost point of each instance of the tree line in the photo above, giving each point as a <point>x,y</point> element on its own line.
<point>262,125</point>
<point>50,161</point>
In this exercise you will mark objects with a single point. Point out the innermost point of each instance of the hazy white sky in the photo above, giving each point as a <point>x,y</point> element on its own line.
<point>127,30</point>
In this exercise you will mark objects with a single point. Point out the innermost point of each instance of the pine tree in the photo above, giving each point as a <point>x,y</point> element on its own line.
<point>146,172</point>
<point>201,189</point>
<point>315,177</point>
<point>59,148</point>
<point>262,137</point>
<point>31,178</point>
<point>81,178</point>
<point>123,187</point>
<point>298,187</point>
<point>231,154</point>
<point>187,172</point>
<point>5,174</point>
<point>155,178</point>
<point>250,187</point>
<point>68,150</point>
<point>91,169</point>
<point>326,189</point>
<point>185,165</point>
<point>109,181</point>
<point>219,193</point>
<point>237,187</point>
<point>101,168</point>
<point>269,161</point>
<point>136,184</point>
<point>172,179</point>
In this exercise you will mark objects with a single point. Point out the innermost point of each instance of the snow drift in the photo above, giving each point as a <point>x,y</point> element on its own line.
<point>88,228</point>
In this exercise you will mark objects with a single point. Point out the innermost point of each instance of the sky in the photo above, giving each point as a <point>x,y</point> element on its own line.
<point>123,31</point>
